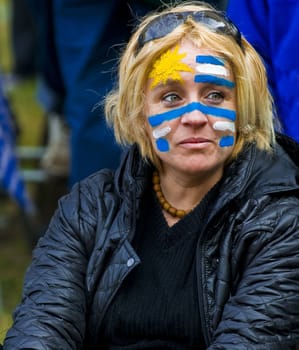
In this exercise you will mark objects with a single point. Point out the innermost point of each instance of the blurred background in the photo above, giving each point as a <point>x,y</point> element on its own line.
<point>18,229</point>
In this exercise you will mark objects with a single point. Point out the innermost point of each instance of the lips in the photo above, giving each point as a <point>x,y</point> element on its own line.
<point>194,140</point>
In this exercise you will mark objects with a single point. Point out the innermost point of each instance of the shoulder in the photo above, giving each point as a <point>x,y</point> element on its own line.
<point>89,192</point>
<point>268,210</point>
<point>268,225</point>
<point>86,205</point>
<point>262,269</point>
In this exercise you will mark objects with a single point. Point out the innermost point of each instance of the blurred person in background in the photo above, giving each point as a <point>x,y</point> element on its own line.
<point>192,243</point>
<point>51,92</point>
<point>272,27</point>
<point>77,60</point>
<point>23,41</point>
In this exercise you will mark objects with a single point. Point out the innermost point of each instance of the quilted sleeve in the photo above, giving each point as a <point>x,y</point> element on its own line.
<point>262,311</point>
<point>51,314</point>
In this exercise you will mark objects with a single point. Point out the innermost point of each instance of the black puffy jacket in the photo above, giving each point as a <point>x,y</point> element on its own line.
<point>247,258</point>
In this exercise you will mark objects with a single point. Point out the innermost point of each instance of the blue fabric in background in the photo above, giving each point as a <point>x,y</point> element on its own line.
<point>87,36</point>
<point>272,27</point>
<point>79,46</point>
<point>11,180</point>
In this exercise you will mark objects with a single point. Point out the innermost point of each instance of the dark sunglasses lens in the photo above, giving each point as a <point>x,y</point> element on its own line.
<point>160,27</point>
<point>218,23</point>
<point>165,24</point>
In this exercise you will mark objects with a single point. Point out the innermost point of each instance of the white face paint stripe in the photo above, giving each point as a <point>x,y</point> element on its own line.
<point>157,133</point>
<point>224,126</point>
<point>207,68</point>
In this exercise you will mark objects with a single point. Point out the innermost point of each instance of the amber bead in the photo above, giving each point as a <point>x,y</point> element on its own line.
<point>179,213</point>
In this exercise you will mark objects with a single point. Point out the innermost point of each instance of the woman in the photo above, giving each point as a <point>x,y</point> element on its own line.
<point>193,243</point>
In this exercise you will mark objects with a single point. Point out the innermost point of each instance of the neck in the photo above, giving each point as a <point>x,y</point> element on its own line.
<point>167,207</point>
<point>186,192</point>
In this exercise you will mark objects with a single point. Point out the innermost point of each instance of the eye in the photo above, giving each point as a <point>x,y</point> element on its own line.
<point>171,98</point>
<point>215,97</point>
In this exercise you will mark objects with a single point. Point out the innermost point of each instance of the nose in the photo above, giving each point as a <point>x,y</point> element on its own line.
<point>195,118</point>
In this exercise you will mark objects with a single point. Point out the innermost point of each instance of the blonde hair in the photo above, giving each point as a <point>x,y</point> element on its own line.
<point>124,106</point>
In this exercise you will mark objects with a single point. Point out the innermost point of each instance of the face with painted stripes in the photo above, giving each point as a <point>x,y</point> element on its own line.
<point>191,109</point>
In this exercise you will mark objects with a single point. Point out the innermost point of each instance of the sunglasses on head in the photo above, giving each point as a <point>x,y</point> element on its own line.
<point>166,23</point>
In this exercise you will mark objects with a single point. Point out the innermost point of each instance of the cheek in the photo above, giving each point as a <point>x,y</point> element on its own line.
<point>224,126</point>
<point>159,134</point>
<point>227,141</point>
<point>162,145</point>
<point>227,128</point>
<point>157,137</point>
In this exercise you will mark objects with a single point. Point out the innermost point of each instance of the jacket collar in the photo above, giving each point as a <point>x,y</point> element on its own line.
<point>255,172</point>
<point>132,174</point>
<point>290,146</point>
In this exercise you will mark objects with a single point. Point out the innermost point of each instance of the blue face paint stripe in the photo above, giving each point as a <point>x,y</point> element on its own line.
<point>162,145</point>
<point>158,119</point>
<point>210,59</point>
<point>205,78</point>
<point>226,141</point>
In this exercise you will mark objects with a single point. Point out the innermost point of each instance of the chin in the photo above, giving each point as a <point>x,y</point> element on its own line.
<point>200,167</point>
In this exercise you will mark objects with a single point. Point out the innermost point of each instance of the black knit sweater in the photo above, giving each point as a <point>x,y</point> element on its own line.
<point>157,306</point>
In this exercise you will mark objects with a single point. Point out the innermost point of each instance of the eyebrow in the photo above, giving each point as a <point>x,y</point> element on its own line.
<point>170,82</point>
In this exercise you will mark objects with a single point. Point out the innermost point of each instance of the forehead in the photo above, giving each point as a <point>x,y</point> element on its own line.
<point>199,54</point>
<point>186,57</point>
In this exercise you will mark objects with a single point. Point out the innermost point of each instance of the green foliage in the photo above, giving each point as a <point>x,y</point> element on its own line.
<point>5,322</point>
<point>15,256</point>
<point>5,52</point>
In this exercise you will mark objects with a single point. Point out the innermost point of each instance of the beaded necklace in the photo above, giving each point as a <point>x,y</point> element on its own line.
<point>177,213</point>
